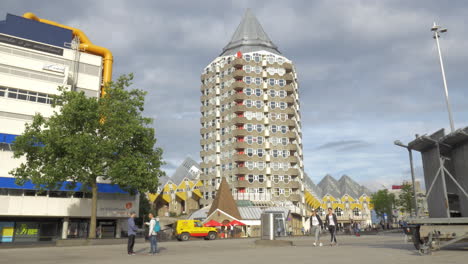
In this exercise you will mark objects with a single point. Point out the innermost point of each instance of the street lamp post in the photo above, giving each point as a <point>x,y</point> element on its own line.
<point>400,144</point>
<point>437,29</point>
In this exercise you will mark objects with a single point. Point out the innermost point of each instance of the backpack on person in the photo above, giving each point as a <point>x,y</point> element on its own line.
<point>156,227</point>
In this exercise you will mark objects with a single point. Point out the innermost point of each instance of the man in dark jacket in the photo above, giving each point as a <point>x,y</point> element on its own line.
<point>132,229</point>
<point>316,225</point>
<point>332,222</point>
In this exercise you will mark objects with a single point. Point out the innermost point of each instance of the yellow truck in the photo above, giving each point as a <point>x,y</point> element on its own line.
<point>185,229</point>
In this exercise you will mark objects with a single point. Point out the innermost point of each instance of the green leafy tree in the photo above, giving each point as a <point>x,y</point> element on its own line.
<point>406,198</point>
<point>88,138</point>
<point>145,209</point>
<point>383,202</point>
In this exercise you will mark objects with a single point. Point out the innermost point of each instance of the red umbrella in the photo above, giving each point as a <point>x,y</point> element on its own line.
<point>212,223</point>
<point>236,223</point>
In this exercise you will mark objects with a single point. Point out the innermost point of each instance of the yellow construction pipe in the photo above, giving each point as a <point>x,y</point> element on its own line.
<point>87,46</point>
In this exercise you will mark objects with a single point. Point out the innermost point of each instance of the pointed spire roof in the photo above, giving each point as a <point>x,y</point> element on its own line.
<point>349,186</point>
<point>329,185</point>
<point>224,201</point>
<point>365,191</point>
<point>249,37</point>
<point>310,185</point>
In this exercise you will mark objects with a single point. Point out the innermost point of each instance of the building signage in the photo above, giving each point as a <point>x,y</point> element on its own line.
<point>54,68</point>
<point>30,45</point>
<point>6,231</point>
<point>26,232</point>
<point>113,211</point>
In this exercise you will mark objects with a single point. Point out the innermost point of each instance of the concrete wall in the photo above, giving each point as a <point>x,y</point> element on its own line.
<point>66,207</point>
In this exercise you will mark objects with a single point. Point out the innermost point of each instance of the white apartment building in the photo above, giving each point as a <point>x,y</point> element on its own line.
<point>35,59</point>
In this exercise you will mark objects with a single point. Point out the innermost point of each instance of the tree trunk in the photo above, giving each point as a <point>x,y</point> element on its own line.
<point>92,225</point>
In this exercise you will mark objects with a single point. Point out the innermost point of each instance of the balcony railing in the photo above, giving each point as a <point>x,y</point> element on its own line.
<point>252,196</point>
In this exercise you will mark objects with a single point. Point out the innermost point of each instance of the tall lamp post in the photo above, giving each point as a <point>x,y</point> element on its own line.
<point>400,144</point>
<point>437,30</point>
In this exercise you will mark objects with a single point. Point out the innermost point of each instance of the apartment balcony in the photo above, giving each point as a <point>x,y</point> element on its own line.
<point>289,100</point>
<point>287,66</point>
<point>205,76</point>
<point>289,122</point>
<point>289,111</point>
<point>239,97</point>
<point>240,157</point>
<point>294,184</point>
<point>295,197</point>
<point>289,89</point>
<point>241,145</point>
<point>289,77</point>
<point>239,120</point>
<point>241,171</point>
<point>239,108</point>
<point>205,97</point>
<point>293,172</point>
<point>238,85</point>
<point>292,147</point>
<point>238,62</point>
<point>240,133</point>
<point>241,184</point>
<point>204,130</point>
<point>291,135</point>
<point>205,119</point>
<point>293,159</point>
<point>239,74</point>
<point>252,196</point>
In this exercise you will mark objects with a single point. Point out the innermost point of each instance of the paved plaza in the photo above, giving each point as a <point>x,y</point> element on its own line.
<point>380,249</point>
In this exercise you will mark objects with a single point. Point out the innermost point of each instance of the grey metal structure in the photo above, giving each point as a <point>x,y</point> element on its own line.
<point>445,164</point>
<point>268,227</point>
<point>249,37</point>
<point>278,224</point>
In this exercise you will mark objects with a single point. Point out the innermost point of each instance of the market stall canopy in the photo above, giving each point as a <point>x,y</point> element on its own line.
<point>236,223</point>
<point>212,223</point>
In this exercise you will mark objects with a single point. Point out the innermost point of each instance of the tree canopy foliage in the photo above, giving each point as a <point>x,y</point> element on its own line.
<point>405,200</point>
<point>87,138</point>
<point>383,202</point>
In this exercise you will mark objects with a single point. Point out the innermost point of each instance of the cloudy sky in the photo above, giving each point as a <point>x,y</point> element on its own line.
<point>368,70</point>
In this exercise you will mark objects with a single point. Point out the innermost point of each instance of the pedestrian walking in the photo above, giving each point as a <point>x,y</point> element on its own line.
<point>99,231</point>
<point>356,228</point>
<point>316,225</point>
<point>154,228</point>
<point>131,231</point>
<point>279,230</point>
<point>331,222</point>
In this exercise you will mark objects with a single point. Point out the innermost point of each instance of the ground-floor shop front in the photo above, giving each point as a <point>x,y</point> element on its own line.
<point>30,230</point>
